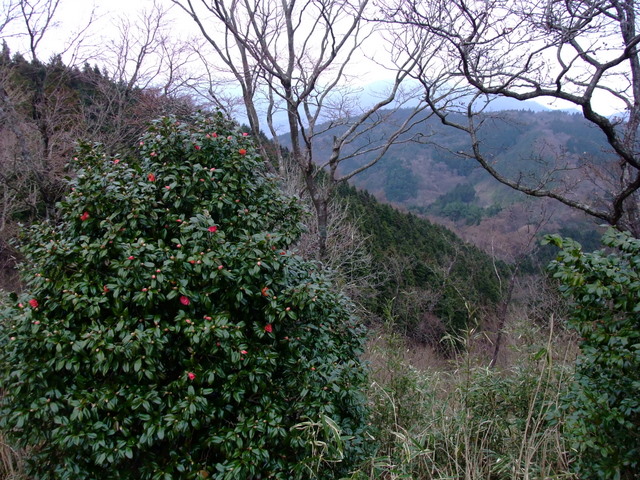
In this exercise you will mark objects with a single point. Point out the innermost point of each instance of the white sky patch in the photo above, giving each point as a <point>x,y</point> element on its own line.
<point>365,75</point>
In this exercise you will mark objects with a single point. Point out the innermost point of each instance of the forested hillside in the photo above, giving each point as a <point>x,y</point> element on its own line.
<point>434,283</point>
<point>434,175</point>
<point>294,240</point>
<point>416,174</point>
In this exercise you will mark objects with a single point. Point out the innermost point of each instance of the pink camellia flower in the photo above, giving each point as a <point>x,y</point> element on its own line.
<point>153,154</point>
<point>185,300</point>
<point>116,161</point>
<point>130,257</point>
<point>84,216</point>
<point>242,151</point>
<point>245,134</point>
<point>268,328</point>
<point>151,177</point>
<point>34,303</point>
<point>213,229</point>
<point>243,352</point>
<point>191,375</point>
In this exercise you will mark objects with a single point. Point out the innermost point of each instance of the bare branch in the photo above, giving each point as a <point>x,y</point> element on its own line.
<point>584,53</point>
<point>293,59</point>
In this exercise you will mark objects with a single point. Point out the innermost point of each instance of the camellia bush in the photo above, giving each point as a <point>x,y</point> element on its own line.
<point>168,331</point>
<point>602,411</point>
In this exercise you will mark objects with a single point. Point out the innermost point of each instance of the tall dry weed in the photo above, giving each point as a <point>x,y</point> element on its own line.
<point>465,420</point>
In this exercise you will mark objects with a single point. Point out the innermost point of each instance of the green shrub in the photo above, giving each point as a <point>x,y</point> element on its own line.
<point>169,333</point>
<point>603,408</point>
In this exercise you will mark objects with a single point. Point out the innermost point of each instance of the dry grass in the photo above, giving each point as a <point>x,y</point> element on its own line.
<point>11,467</point>
<point>459,419</point>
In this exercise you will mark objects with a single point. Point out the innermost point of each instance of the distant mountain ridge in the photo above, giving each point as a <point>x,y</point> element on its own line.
<point>423,177</point>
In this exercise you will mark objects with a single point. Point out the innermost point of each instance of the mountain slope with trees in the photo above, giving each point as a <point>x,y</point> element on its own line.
<point>416,173</point>
<point>463,55</point>
<point>433,284</point>
<point>429,173</point>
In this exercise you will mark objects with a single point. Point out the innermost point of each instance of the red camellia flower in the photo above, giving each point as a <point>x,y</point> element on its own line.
<point>151,177</point>
<point>265,291</point>
<point>34,303</point>
<point>197,147</point>
<point>191,375</point>
<point>213,229</point>
<point>268,328</point>
<point>184,300</point>
<point>84,216</point>
<point>242,151</point>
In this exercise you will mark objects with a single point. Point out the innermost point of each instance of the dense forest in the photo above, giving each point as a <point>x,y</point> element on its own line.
<point>386,290</point>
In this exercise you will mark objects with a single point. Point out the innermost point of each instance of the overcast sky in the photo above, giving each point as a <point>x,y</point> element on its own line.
<point>74,15</point>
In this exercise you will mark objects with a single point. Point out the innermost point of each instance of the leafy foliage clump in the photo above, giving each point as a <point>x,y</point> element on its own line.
<point>603,408</point>
<point>168,331</point>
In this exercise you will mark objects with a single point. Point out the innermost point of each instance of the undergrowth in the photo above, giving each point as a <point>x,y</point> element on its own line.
<point>458,420</point>
<point>467,421</point>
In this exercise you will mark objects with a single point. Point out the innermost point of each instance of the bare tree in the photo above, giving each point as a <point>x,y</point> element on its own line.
<point>581,52</point>
<point>38,16</point>
<point>145,73</point>
<point>46,107</point>
<point>296,59</point>
<point>39,19</point>
<point>9,13</point>
<point>143,53</point>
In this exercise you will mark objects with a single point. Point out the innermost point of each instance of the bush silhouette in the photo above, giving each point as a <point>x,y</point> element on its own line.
<point>168,332</point>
